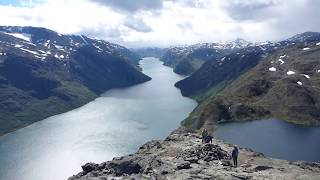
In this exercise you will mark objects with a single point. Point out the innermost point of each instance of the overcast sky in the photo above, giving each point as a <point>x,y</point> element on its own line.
<point>139,23</point>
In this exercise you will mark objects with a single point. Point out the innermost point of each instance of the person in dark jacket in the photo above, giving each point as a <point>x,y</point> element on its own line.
<point>208,138</point>
<point>235,153</point>
<point>204,133</point>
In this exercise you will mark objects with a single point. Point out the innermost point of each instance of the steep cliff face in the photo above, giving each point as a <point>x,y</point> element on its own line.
<point>183,156</point>
<point>268,80</point>
<point>215,72</point>
<point>43,73</point>
<point>284,85</point>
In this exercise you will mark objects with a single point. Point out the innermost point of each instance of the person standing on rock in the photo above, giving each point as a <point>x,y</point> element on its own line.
<point>204,133</point>
<point>208,138</point>
<point>235,153</point>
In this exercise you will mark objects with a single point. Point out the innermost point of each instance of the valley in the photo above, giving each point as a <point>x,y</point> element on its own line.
<point>116,123</point>
<point>159,89</point>
<point>107,95</point>
<point>273,81</point>
<point>43,73</point>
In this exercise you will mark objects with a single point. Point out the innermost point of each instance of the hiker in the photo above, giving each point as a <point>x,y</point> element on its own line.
<point>235,153</point>
<point>204,133</point>
<point>208,138</point>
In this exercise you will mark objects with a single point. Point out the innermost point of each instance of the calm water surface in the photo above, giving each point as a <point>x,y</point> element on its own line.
<point>274,138</point>
<point>114,124</point>
<point>121,120</point>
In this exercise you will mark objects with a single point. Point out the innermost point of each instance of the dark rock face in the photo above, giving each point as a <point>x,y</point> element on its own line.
<point>88,167</point>
<point>262,168</point>
<point>47,73</point>
<point>183,165</point>
<point>183,156</point>
<point>125,167</point>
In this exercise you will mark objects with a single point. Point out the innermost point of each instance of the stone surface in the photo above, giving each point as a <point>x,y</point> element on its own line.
<point>183,156</point>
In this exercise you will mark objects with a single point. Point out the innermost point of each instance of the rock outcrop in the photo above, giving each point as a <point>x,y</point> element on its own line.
<point>183,156</point>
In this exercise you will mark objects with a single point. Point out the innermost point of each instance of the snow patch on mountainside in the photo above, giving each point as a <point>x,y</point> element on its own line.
<point>29,51</point>
<point>281,61</point>
<point>24,36</point>
<point>272,69</point>
<point>290,72</point>
<point>307,76</point>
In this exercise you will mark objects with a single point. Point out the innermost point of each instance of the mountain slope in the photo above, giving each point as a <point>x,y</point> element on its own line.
<point>284,85</point>
<point>215,74</point>
<point>187,59</point>
<point>43,73</point>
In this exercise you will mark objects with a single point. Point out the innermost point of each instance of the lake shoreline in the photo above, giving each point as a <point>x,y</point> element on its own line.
<point>99,130</point>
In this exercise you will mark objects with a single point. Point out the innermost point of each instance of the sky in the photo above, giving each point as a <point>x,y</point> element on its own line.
<point>162,23</point>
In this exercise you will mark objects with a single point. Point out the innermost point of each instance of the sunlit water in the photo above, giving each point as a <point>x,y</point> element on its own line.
<point>114,124</point>
<point>274,138</point>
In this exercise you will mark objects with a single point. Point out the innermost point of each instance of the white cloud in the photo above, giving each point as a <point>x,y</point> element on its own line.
<point>168,22</point>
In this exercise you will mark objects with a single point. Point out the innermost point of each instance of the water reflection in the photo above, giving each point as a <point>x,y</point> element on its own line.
<point>274,138</point>
<point>115,124</point>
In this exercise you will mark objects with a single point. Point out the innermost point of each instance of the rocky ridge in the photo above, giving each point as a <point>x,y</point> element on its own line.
<point>187,59</point>
<point>182,156</point>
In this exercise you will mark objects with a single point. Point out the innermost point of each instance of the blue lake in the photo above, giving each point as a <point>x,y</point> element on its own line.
<point>117,123</point>
<point>121,120</point>
<point>274,138</point>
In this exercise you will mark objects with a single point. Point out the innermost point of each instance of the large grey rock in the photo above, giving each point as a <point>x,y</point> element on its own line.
<point>183,156</point>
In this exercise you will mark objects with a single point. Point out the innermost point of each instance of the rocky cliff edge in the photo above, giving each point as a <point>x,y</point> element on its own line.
<point>183,156</point>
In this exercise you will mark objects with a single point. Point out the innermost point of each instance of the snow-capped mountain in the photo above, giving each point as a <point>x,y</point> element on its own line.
<point>265,80</point>
<point>43,73</point>
<point>221,46</point>
<point>187,59</point>
<point>305,37</point>
<point>43,44</point>
<point>283,85</point>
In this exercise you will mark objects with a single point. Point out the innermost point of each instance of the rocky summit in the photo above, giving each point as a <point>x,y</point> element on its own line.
<point>182,155</point>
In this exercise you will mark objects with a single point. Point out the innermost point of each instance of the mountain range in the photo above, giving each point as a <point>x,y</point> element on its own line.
<point>269,80</point>
<point>43,73</point>
<point>187,59</point>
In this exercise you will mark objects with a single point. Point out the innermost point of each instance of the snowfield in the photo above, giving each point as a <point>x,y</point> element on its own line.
<point>24,36</point>
<point>290,72</point>
<point>272,69</point>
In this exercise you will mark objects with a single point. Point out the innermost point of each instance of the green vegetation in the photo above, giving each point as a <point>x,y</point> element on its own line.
<point>260,93</point>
